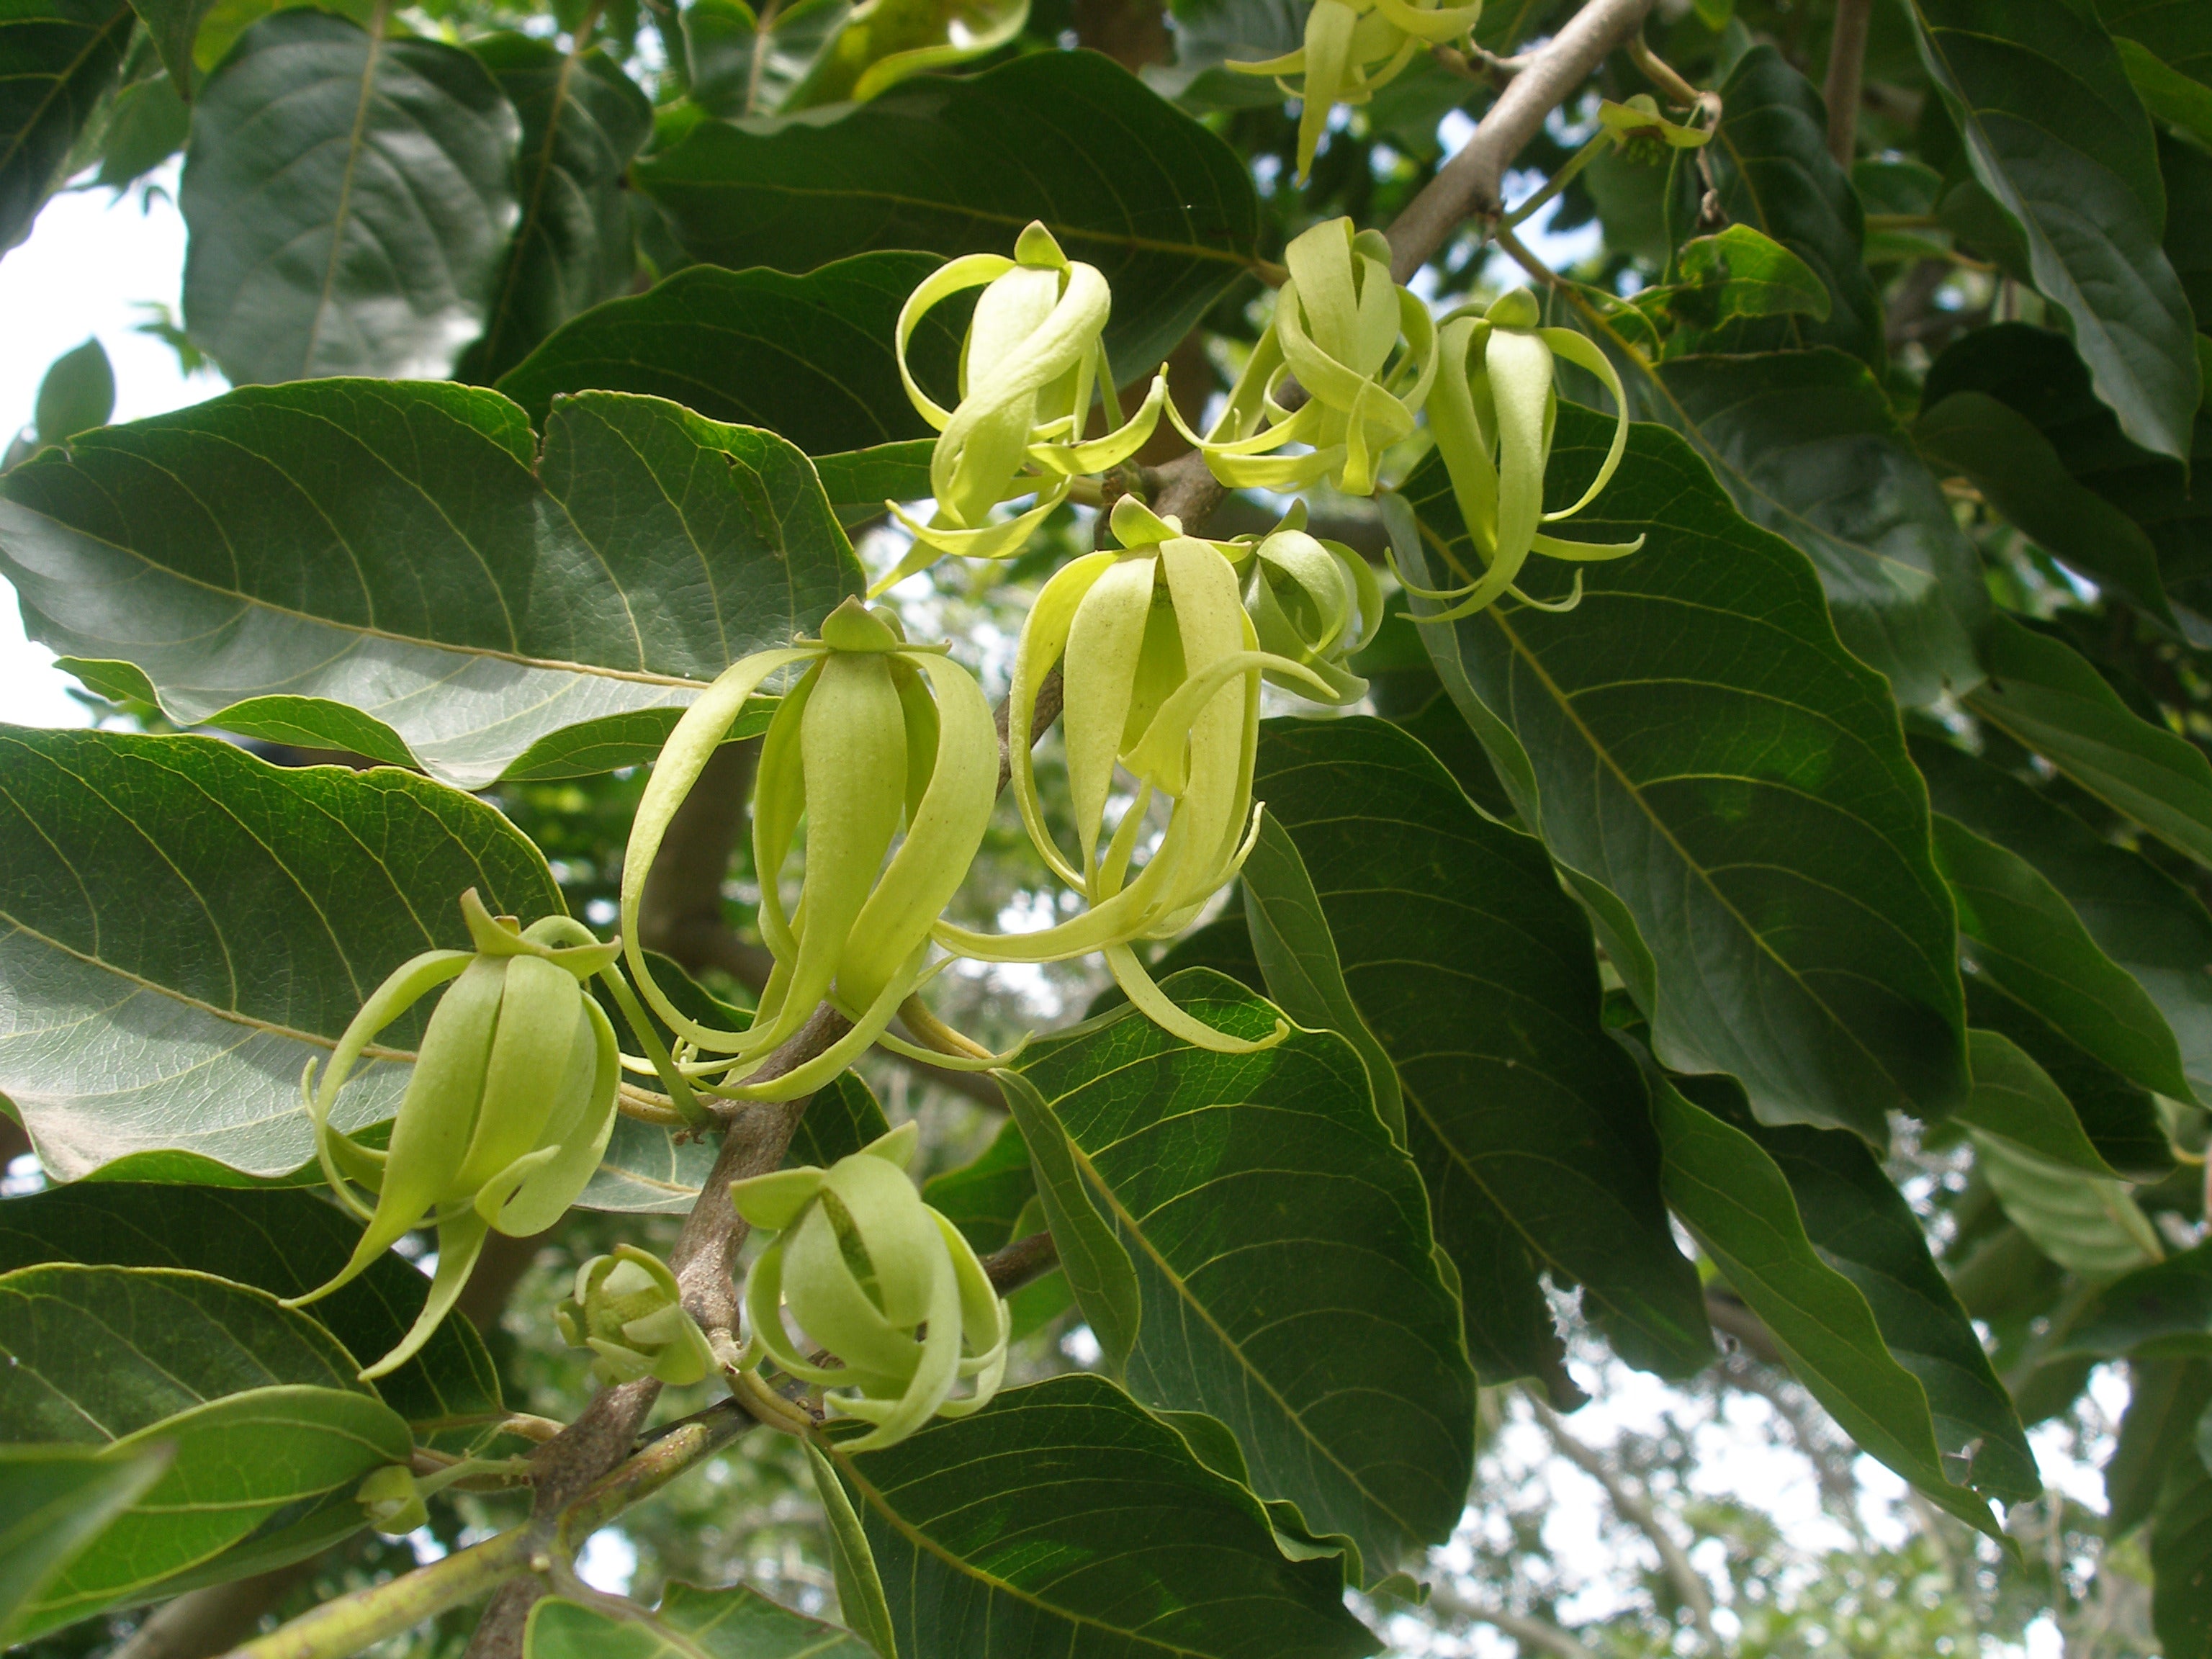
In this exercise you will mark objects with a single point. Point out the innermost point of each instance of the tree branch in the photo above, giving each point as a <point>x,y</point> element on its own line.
<point>1846,65</point>
<point>1538,1635</point>
<point>1021,1262</point>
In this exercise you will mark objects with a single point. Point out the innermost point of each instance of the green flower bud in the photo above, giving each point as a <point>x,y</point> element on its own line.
<point>1491,414</point>
<point>880,1282</point>
<point>629,1311</point>
<point>885,750</point>
<point>506,1116</point>
<point>1363,350</point>
<point>1313,602</point>
<point>393,1500</point>
<point>1643,136</point>
<point>1353,47</point>
<point>1162,668</point>
<point>1034,357</point>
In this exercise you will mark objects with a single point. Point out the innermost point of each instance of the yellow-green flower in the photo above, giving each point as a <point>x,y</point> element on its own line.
<point>881,1283</point>
<point>1353,47</point>
<point>1034,357</point>
<point>877,738</point>
<point>1491,414</point>
<point>1642,134</point>
<point>1362,348</point>
<point>1313,602</point>
<point>629,1310</point>
<point>507,1112</point>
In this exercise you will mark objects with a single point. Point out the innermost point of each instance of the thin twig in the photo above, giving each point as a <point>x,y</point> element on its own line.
<point>1539,1635</point>
<point>1021,1262</point>
<point>1846,67</point>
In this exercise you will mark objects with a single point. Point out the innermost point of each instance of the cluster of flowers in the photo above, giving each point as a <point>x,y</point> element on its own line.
<point>886,752</point>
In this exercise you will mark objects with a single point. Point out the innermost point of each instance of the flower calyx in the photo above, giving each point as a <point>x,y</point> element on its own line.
<point>1034,357</point>
<point>506,1114</point>
<point>885,750</point>
<point>629,1310</point>
<point>1162,668</point>
<point>1362,348</point>
<point>1493,413</point>
<point>881,1283</point>
<point>1353,47</point>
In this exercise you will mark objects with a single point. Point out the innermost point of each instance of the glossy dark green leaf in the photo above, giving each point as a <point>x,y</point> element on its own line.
<point>173,26</point>
<point>2181,1561</point>
<point>54,1501</point>
<point>429,586</point>
<point>260,1402</point>
<point>2056,135</point>
<point>2045,695</point>
<point>1126,182</point>
<point>2187,169</point>
<point>285,1242</point>
<point>1064,1518</point>
<point>347,199</point>
<point>1734,1198</point>
<point>77,394</point>
<point>1806,444</point>
<point>852,1562</point>
<point>573,246</point>
<point>858,482</point>
<point>1771,166</point>
<point>1861,1226</point>
<point>1096,1263</point>
<point>2172,40</point>
<point>2159,1312</point>
<point>985,1197</point>
<point>187,925</point>
<point>806,356</point>
<point>1282,1246</point>
<point>57,60</point>
<point>1726,787</point>
<point>690,1623</point>
<point>2015,1102</point>
<point>2141,918</point>
<point>2166,1400</point>
<point>739,68</point>
<point>1476,973</point>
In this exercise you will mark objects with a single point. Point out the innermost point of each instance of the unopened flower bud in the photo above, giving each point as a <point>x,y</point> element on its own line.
<point>1313,602</point>
<point>393,1500</point>
<point>629,1311</point>
<point>881,1283</point>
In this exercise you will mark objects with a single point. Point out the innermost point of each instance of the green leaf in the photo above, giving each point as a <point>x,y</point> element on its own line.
<point>887,43</point>
<point>2181,1561</point>
<point>2163,1311</point>
<point>2045,695</point>
<point>1065,1518</point>
<point>808,357</point>
<point>261,1404</point>
<point>347,198</point>
<point>1725,785</point>
<point>2048,1181</point>
<point>582,120</point>
<point>2166,92</point>
<point>1282,1244</point>
<point>690,1623</point>
<point>285,1242</point>
<point>54,1501</point>
<point>186,926</point>
<point>1531,1130</point>
<point>1736,276</point>
<point>2167,1399</point>
<point>1096,1263</point>
<point>2055,133</point>
<point>1734,1198</point>
<point>1806,444</point>
<point>1160,205</point>
<point>1861,1226</point>
<point>839,1120</point>
<point>2015,1102</point>
<point>860,1586</point>
<point>2187,169</point>
<point>1296,954</point>
<point>2037,974</point>
<point>77,394</point>
<point>985,1197</point>
<point>57,60</point>
<point>429,587</point>
<point>1773,172</point>
<point>858,482</point>
<point>734,71</point>
<point>2024,477</point>
<point>2140,917</point>
<point>2174,36</point>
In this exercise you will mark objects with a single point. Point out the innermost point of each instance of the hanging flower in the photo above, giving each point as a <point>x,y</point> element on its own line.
<point>1034,355</point>
<point>1353,47</point>
<point>1313,602</point>
<point>1492,414</point>
<point>1162,668</point>
<point>881,1283</point>
<point>506,1114</point>
<point>878,736</point>
<point>629,1310</point>
<point>1364,352</point>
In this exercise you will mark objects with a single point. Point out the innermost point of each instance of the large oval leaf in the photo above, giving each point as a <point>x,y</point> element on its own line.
<point>395,569</point>
<point>1726,786</point>
<point>1160,205</point>
<point>55,1500</point>
<point>2056,135</point>
<point>187,925</point>
<point>1064,1518</point>
<point>737,1622</point>
<point>1476,974</point>
<point>347,199</point>
<point>1283,1255</point>
<point>57,57</point>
